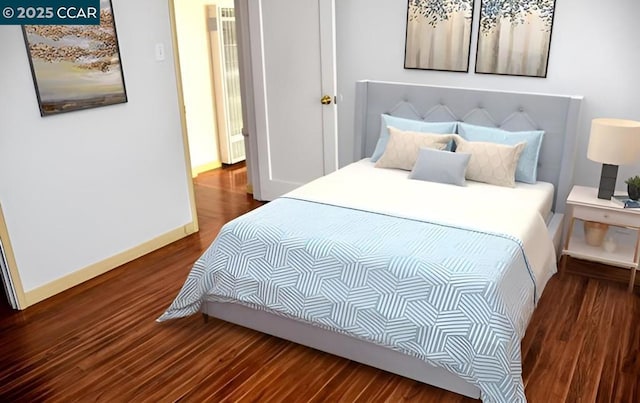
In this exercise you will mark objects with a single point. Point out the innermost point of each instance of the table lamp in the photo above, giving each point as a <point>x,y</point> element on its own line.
<point>613,142</point>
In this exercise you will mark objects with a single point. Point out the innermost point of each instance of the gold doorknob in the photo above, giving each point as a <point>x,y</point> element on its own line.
<point>325,100</point>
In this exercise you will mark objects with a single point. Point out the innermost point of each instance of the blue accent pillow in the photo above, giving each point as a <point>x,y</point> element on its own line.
<point>527,169</point>
<point>408,125</point>
<point>440,166</point>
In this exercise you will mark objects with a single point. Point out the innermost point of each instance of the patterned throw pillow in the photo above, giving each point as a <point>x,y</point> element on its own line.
<point>527,169</point>
<point>403,147</point>
<point>490,162</point>
<point>408,125</point>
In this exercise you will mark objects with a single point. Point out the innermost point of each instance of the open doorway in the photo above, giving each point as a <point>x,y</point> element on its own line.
<point>208,63</point>
<point>223,55</point>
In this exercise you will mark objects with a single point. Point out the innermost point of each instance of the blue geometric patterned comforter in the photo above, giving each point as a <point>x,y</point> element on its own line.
<point>456,298</point>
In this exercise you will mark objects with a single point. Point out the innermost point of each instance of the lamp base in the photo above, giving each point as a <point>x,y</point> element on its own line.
<point>608,178</point>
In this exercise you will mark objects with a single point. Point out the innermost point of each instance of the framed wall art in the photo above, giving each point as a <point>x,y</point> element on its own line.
<point>438,34</point>
<point>514,37</point>
<point>76,67</point>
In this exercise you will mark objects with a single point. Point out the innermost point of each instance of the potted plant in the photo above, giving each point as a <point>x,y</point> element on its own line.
<point>633,187</point>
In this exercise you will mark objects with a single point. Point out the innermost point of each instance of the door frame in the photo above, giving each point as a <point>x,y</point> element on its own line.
<point>193,226</point>
<point>21,299</point>
<point>244,20</point>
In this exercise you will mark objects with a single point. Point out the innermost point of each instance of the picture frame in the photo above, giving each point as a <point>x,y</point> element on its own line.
<point>438,35</point>
<point>76,67</point>
<point>514,37</point>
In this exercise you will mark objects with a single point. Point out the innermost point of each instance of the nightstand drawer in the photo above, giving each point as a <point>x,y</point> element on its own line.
<point>607,216</point>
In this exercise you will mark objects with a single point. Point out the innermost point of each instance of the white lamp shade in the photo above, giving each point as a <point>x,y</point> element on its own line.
<point>614,141</point>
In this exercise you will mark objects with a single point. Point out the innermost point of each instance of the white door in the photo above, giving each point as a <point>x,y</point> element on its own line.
<point>292,51</point>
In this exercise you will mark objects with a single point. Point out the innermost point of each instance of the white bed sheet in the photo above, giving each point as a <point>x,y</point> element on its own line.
<point>520,211</point>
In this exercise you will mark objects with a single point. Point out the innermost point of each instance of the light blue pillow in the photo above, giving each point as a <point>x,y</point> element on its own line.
<point>408,125</point>
<point>440,166</point>
<point>527,169</point>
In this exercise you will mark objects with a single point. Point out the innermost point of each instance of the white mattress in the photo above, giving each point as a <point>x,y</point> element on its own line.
<point>391,183</point>
<point>521,211</point>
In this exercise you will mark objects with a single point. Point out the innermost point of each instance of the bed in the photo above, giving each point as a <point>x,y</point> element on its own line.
<point>427,280</point>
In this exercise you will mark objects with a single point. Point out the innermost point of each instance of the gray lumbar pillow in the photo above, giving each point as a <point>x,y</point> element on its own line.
<point>440,166</point>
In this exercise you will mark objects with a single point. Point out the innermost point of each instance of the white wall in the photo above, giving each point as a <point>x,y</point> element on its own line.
<point>79,187</point>
<point>197,86</point>
<point>594,53</point>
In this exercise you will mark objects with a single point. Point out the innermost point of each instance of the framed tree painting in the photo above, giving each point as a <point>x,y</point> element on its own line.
<point>514,37</point>
<point>438,34</point>
<point>76,67</point>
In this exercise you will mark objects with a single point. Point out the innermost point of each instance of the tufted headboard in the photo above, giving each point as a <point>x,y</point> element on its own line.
<point>557,115</point>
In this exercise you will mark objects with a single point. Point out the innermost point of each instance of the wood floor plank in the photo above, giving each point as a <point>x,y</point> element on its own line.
<point>313,376</point>
<point>628,389</point>
<point>572,336</point>
<point>410,391</point>
<point>99,341</point>
<point>540,328</point>
<point>588,370</point>
<point>333,385</point>
<point>239,372</point>
<point>375,390</point>
<point>560,348</point>
<point>351,386</point>
<point>277,376</point>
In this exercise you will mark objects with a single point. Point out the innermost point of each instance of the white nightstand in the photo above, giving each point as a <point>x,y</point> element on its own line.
<point>584,205</point>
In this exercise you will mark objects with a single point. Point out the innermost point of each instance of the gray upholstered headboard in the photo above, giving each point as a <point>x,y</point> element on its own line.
<point>557,115</point>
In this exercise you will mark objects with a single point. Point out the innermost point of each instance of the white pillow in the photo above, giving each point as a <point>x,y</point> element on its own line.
<point>490,162</point>
<point>403,147</point>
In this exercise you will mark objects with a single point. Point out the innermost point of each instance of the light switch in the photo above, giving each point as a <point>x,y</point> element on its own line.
<point>160,56</point>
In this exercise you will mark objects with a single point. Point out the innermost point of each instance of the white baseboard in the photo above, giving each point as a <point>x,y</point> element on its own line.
<point>80,276</point>
<point>197,170</point>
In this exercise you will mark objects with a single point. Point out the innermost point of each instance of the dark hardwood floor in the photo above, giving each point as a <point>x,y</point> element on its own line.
<point>100,342</point>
